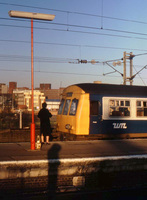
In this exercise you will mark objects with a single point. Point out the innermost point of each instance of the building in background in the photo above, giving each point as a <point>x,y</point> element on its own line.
<point>53,105</point>
<point>23,99</point>
<point>5,102</point>
<point>5,98</point>
<point>52,97</point>
<point>3,88</point>
<point>45,86</point>
<point>12,86</point>
<point>19,98</point>
<point>50,93</point>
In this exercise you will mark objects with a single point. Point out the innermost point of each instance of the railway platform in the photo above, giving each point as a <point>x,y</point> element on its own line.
<point>72,166</point>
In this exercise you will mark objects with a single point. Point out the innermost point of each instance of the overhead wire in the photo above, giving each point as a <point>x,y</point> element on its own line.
<point>73,45</point>
<point>75,25</point>
<point>64,73</point>
<point>18,58</point>
<point>71,12</point>
<point>83,27</point>
<point>76,31</point>
<point>79,26</point>
<point>41,71</point>
<point>139,76</point>
<point>86,27</point>
<point>4,57</point>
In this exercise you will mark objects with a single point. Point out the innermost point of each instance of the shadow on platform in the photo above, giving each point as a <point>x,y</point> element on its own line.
<point>53,154</point>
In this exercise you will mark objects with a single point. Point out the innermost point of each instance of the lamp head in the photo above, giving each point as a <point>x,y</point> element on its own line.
<point>30,15</point>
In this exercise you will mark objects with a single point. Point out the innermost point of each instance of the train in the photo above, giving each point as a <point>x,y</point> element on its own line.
<point>101,111</point>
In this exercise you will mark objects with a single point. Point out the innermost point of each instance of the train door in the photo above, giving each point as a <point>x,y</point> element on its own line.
<point>95,117</point>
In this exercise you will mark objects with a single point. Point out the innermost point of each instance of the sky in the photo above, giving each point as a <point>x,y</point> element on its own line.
<point>100,30</point>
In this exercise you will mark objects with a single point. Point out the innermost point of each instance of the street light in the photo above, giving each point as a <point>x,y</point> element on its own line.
<point>38,16</point>
<point>30,15</point>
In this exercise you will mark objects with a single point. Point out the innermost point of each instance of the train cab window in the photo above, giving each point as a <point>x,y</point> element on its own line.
<point>66,107</point>
<point>61,107</point>
<point>73,107</point>
<point>121,103</point>
<point>141,108</point>
<point>119,108</point>
<point>94,107</point>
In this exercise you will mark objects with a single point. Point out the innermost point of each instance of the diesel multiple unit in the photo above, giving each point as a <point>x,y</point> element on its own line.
<point>103,111</point>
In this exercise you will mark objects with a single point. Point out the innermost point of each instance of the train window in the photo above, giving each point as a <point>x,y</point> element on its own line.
<point>141,108</point>
<point>119,108</point>
<point>138,103</point>
<point>69,94</point>
<point>112,102</point>
<point>61,106</point>
<point>121,103</point>
<point>73,107</point>
<point>66,108</point>
<point>117,103</point>
<point>127,103</point>
<point>94,107</point>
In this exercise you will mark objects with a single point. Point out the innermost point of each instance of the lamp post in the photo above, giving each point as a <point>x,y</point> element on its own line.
<point>38,16</point>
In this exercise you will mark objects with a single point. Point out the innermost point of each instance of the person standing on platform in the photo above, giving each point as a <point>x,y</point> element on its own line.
<point>45,127</point>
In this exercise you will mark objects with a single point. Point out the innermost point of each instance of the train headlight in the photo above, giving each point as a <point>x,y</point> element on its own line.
<point>68,126</point>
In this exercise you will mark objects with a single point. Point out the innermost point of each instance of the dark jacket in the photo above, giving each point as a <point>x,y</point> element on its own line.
<point>45,127</point>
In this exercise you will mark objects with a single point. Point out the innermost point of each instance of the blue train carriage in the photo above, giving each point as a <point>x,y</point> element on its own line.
<point>103,111</point>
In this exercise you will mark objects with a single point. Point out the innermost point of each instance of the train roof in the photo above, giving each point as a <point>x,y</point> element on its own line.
<point>112,89</point>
